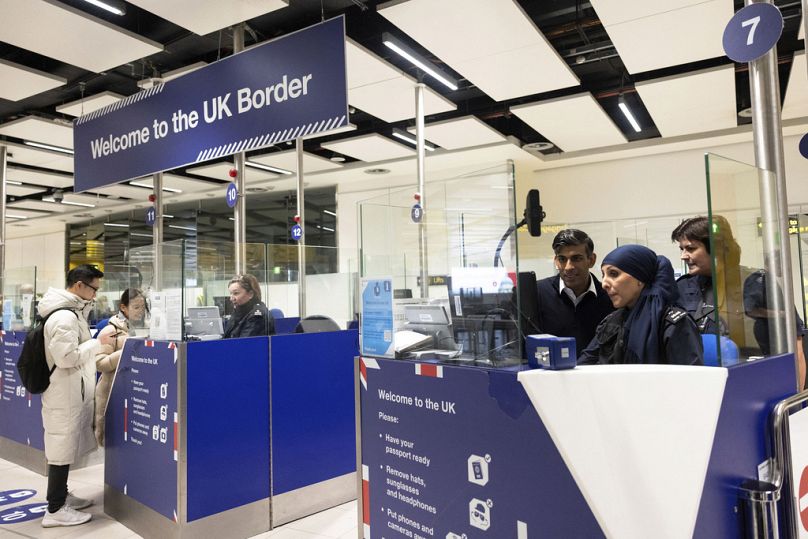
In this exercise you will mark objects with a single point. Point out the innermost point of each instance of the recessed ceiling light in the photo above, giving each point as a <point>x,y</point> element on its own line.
<point>745,113</point>
<point>256,189</point>
<point>337,159</point>
<point>539,146</point>
<point>83,215</point>
<point>376,171</point>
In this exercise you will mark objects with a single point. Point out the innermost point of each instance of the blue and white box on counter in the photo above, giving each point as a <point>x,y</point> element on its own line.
<point>550,352</point>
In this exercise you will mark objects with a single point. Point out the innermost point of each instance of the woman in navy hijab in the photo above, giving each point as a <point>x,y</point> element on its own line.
<point>646,327</point>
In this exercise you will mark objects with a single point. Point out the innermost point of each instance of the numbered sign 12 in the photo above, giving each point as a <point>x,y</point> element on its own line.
<point>296,232</point>
<point>752,32</point>
<point>151,215</point>
<point>231,195</point>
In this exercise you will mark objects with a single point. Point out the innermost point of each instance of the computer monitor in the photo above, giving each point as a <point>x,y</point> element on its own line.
<point>203,321</point>
<point>527,305</point>
<point>479,292</point>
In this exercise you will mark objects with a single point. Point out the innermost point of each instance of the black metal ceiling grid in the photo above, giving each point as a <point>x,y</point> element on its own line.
<point>571,26</point>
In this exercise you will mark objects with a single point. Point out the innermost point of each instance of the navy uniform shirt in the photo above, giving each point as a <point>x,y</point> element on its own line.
<point>560,317</point>
<point>251,320</point>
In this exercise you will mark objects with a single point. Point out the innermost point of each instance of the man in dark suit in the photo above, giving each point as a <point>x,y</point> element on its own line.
<point>572,303</point>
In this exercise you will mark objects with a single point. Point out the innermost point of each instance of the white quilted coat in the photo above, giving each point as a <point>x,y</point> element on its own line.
<point>68,403</point>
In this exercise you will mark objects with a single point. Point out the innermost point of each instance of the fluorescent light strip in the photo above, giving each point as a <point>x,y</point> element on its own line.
<point>141,235</point>
<point>67,202</point>
<point>420,65</point>
<point>119,225</point>
<point>412,140</point>
<point>107,7</point>
<point>167,189</point>
<point>12,182</point>
<point>182,227</point>
<point>48,147</point>
<point>12,216</point>
<point>268,168</point>
<point>329,212</point>
<point>629,116</point>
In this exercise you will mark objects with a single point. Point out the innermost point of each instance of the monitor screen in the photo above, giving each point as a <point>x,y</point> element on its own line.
<point>479,291</point>
<point>426,314</point>
<point>202,313</point>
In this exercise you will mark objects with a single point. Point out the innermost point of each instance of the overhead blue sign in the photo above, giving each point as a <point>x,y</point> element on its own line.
<point>290,87</point>
<point>231,195</point>
<point>752,32</point>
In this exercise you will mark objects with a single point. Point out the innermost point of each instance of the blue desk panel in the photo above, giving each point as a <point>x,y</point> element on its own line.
<point>227,424</point>
<point>313,424</point>
<point>751,393</point>
<point>20,411</point>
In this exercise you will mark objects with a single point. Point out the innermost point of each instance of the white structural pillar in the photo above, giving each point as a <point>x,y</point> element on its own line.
<point>422,236</point>
<point>157,230</point>
<point>764,88</point>
<point>3,178</point>
<point>240,210</point>
<point>301,243</point>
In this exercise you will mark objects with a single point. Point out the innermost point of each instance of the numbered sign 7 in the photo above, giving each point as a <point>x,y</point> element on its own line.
<point>752,32</point>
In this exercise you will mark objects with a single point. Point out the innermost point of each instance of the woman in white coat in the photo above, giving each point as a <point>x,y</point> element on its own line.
<point>67,404</point>
<point>133,309</point>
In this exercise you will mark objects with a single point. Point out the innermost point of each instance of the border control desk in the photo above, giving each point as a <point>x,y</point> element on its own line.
<point>228,438</point>
<point>623,451</point>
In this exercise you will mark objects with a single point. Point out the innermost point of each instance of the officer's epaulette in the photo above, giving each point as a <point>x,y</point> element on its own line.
<point>675,314</point>
<point>258,313</point>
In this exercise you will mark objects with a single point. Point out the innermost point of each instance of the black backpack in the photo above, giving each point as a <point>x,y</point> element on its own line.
<point>32,364</point>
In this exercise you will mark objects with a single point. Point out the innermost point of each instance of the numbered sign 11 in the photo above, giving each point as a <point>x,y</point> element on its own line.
<point>231,195</point>
<point>151,216</point>
<point>752,32</point>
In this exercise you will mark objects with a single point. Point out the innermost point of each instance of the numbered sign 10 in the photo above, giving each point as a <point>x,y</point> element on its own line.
<point>231,195</point>
<point>752,32</point>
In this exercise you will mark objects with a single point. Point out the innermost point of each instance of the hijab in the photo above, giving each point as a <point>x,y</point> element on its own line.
<point>641,327</point>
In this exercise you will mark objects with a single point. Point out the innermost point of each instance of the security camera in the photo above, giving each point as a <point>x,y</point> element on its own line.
<point>58,195</point>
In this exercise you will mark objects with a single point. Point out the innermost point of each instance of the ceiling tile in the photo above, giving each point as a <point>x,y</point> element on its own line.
<point>619,11</point>
<point>370,148</point>
<point>35,177</point>
<point>206,16</point>
<point>492,43</point>
<point>27,81</point>
<point>381,90</point>
<point>70,35</point>
<point>51,207</point>
<point>37,129</point>
<point>571,123</point>
<point>172,181</point>
<point>691,103</point>
<point>89,104</point>
<point>686,33</point>
<point>287,160</point>
<point>23,190</point>
<point>26,155</point>
<point>221,172</point>
<point>795,104</point>
<point>461,133</point>
<point>123,190</point>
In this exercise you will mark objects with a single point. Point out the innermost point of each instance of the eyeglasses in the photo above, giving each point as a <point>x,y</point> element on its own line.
<point>95,289</point>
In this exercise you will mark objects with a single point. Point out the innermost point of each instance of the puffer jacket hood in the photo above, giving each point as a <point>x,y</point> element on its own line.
<point>57,298</point>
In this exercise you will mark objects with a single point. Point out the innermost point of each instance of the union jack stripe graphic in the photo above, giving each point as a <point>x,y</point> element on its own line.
<point>428,369</point>
<point>366,363</point>
<point>120,104</point>
<point>366,502</point>
<point>149,344</point>
<point>125,419</point>
<point>176,437</point>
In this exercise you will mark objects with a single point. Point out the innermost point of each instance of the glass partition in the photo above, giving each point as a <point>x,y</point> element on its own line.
<point>743,237</point>
<point>467,311</point>
<point>19,298</point>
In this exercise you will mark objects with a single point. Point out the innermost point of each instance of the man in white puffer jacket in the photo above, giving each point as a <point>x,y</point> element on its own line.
<point>68,403</point>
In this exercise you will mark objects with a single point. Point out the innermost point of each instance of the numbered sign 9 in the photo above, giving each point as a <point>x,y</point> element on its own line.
<point>416,213</point>
<point>231,195</point>
<point>151,215</point>
<point>752,32</point>
<point>296,232</point>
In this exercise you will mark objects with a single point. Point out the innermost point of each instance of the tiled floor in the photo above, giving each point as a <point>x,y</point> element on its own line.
<point>336,523</point>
